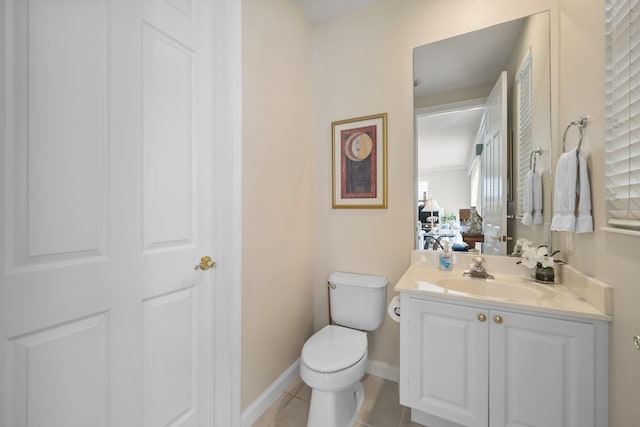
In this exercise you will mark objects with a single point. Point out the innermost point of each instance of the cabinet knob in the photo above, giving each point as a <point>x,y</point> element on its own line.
<point>482,317</point>
<point>498,319</point>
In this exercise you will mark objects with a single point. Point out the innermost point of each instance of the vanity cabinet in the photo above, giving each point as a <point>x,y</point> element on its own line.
<point>482,366</point>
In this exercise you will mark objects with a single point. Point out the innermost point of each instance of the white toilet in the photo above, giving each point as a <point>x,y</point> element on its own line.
<point>334,358</point>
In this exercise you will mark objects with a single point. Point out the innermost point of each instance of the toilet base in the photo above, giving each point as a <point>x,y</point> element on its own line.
<point>335,408</point>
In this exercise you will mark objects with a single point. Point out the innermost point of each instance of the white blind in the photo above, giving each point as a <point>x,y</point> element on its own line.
<point>524,84</point>
<point>622,134</point>
<point>423,190</point>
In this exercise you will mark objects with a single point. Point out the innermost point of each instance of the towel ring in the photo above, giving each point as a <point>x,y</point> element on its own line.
<point>580,124</point>
<point>532,158</point>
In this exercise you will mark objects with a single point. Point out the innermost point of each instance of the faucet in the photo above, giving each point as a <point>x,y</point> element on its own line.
<point>478,271</point>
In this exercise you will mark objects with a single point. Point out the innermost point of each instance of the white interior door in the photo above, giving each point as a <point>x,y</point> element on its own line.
<point>104,319</point>
<point>494,170</point>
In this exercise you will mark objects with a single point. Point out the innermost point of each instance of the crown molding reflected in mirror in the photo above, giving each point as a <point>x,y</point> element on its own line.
<point>465,156</point>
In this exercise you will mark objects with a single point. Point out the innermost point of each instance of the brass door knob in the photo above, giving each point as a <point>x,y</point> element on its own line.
<point>482,317</point>
<point>498,319</point>
<point>206,263</point>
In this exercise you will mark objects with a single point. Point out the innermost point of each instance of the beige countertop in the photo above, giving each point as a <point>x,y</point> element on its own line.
<point>423,278</point>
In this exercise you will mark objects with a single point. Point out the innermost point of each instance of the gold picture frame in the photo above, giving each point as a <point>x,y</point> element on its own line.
<point>359,163</point>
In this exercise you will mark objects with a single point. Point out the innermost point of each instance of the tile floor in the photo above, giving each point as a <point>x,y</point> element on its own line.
<point>380,408</point>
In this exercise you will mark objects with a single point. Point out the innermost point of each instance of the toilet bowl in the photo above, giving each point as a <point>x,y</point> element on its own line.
<point>333,362</point>
<point>334,359</point>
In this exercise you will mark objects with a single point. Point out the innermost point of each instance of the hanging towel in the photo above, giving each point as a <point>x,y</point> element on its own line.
<point>572,179</point>
<point>564,199</point>
<point>584,221</point>
<point>532,198</point>
<point>537,198</point>
<point>527,218</point>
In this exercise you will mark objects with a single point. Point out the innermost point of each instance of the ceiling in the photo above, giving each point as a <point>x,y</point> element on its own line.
<point>447,138</point>
<point>470,60</point>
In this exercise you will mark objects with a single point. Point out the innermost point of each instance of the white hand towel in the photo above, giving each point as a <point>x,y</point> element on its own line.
<point>584,221</point>
<point>564,199</point>
<point>527,218</point>
<point>537,198</point>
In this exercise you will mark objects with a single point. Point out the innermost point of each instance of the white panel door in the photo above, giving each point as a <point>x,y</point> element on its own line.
<point>448,360</point>
<point>104,119</point>
<point>542,372</point>
<point>494,170</point>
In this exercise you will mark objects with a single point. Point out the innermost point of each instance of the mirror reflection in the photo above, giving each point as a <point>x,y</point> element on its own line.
<point>483,138</point>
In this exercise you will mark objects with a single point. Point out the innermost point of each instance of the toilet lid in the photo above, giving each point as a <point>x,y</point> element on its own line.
<point>334,348</point>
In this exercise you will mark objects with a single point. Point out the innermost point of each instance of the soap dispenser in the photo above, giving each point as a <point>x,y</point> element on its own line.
<point>446,259</point>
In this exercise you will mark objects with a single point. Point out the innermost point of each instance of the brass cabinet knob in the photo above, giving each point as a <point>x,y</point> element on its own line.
<point>206,263</point>
<point>482,317</point>
<point>498,319</point>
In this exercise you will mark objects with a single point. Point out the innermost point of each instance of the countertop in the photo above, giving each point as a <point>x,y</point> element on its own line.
<point>421,278</point>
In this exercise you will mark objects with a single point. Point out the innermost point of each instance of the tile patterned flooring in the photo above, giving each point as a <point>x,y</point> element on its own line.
<point>379,409</point>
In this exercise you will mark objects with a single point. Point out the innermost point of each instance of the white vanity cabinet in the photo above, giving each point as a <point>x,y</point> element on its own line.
<point>477,365</point>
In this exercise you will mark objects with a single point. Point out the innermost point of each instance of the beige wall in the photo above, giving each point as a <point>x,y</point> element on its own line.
<point>278,204</point>
<point>441,180</point>
<point>364,65</point>
<point>361,65</point>
<point>613,258</point>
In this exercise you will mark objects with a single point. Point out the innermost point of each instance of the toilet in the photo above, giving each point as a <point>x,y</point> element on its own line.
<point>334,359</point>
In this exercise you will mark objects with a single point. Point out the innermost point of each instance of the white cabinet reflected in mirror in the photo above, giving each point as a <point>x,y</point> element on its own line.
<point>482,104</point>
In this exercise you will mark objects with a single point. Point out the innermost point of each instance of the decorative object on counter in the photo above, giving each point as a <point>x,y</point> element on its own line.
<point>517,248</point>
<point>446,260</point>
<point>545,274</point>
<point>475,222</point>
<point>542,261</point>
<point>359,154</point>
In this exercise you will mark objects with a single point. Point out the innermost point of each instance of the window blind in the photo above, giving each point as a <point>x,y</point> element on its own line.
<point>524,91</point>
<point>423,190</point>
<point>622,131</point>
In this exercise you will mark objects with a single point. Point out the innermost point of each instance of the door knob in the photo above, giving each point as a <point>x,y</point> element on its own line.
<point>482,317</point>
<point>498,319</point>
<point>206,263</point>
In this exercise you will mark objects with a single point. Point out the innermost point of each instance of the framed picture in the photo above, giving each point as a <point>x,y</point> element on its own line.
<point>359,154</point>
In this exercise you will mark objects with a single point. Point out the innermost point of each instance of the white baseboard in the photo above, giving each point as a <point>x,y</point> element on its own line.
<point>384,370</point>
<point>270,395</point>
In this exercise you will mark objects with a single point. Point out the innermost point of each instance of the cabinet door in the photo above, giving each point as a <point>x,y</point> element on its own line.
<point>542,372</point>
<point>448,361</point>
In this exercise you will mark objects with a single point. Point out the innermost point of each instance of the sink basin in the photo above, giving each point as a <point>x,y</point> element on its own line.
<point>496,288</point>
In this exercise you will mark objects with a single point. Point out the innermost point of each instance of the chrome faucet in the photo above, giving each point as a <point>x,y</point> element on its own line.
<point>477,270</point>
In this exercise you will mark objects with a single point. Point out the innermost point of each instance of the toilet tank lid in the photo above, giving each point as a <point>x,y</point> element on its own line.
<point>353,279</point>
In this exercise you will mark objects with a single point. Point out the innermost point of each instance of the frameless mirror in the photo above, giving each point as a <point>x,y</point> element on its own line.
<point>482,104</point>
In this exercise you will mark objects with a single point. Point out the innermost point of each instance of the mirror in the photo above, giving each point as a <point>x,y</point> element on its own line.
<point>482,103</point>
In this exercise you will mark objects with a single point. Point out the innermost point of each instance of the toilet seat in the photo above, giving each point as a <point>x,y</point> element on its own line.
<point>334,348</point>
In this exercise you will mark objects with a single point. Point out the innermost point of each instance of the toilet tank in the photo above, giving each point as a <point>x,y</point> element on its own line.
<point>357,301</point>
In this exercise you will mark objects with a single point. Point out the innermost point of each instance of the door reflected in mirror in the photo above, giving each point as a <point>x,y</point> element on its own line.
<point>482,103</point>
